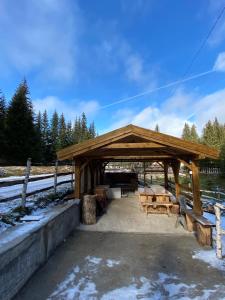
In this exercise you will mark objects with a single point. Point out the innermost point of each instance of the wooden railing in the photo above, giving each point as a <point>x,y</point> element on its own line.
<point>210,170</point>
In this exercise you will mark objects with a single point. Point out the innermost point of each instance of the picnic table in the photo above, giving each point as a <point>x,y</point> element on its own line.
<point>155,199</point>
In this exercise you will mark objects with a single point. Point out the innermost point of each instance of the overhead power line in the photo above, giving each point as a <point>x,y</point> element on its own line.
<point>195,56</point>
<point>202,45</point>
<point>158,88</point>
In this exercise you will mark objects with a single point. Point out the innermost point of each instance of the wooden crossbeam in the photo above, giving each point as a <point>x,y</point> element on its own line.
<point>143,145</point>
<point>127,157</point>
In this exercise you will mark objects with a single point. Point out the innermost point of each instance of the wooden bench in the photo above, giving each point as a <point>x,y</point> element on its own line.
<point>158,207</point>
<point>201,226</point>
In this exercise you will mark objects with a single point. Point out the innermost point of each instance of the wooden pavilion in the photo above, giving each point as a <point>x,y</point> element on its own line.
<point>133,143</point>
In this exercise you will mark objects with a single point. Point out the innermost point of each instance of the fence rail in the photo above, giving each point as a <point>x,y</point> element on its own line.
<point>31,179</point>
<point>23,194</point>
<point>34,192</point>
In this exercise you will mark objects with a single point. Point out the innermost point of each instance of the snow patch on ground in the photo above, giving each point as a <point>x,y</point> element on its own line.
<point>80,284</point>
<point>166,287</point>
<point>209,257</point>
<point>84,288</point>
<point>93,260</point>
<point>112,263</point>
<point>7,207</point>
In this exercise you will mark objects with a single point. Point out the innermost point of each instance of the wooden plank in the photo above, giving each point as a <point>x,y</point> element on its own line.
<point>134,145</point>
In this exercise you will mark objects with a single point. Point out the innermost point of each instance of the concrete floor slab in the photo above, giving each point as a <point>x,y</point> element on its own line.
<point>124,215</point>
<point>108,266</point>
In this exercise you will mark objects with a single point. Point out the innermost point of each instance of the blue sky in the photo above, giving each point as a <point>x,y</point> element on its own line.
<point>83,55</point>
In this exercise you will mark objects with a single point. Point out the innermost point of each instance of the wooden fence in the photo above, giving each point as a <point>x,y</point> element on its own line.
<point>25,181</point>
<point>210,170</point>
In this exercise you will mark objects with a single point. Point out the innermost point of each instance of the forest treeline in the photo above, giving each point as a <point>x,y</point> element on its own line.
<point>25,134</point>
<point>213,135</point>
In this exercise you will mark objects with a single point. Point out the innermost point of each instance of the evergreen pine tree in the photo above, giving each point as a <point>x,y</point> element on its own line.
<point>157,128</point>
<point>2,126</point>
<point>218,133</point>
<point>69,134</point>
<point>84,130</point>
<point>47,144</point>
<point>20,129</point>
<point>92,131</point>
<point>76,131</point>
<point>186,135</point>
<point>193,134</point>
<point>208,137</point>
<point>39,144</point>
<point>62,132</point>
<point>55,131</point>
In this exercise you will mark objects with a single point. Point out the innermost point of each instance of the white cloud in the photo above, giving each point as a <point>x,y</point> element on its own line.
<point>175,111</point>
<point>117,55</point>
<point>220,62</point>
<point>69,109</point>
<point>40,37</point>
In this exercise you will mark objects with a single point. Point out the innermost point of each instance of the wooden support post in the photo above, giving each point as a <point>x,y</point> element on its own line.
<point>85,179</point>
<point>144,174</point>
<point>26,180</point>
<point>166,175</point>
<point>72,174</point>
<point>55,176</point>
<point>77,179</point>
<point>197,205</point>
<point>92,176</point>
<point>176,169</point>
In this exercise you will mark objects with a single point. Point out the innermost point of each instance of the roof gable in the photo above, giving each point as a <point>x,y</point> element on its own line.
<point>135,134</point>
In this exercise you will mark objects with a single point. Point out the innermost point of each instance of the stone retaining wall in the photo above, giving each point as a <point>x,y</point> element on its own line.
<point>26,247</point>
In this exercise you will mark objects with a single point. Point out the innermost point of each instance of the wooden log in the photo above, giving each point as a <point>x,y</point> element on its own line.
<point>89,209</point>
